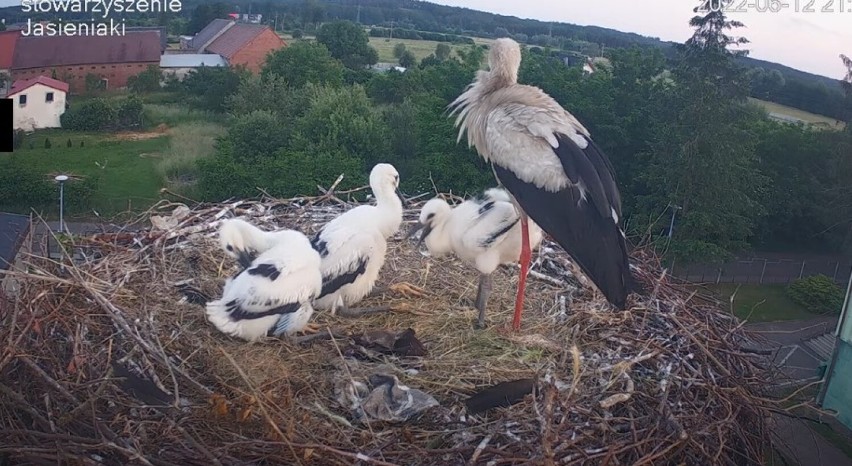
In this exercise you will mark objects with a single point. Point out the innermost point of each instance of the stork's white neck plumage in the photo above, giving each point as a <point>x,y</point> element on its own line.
<point>390,209</point>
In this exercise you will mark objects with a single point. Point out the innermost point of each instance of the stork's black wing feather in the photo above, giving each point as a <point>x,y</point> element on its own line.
<point>330,284</point>
<point>585,229</point>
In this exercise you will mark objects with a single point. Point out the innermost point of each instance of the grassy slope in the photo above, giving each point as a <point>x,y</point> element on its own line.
<point>761,303</point>
<point>128,174</point>
<point>796,113</point>
<point>134,170</point>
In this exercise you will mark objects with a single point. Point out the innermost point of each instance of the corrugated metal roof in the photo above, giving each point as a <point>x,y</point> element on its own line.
<point>208,33</point>
<point>23,84</point>
<point>13,230</point>
<point>191,60</point>
<point>235,39</point>
<point>50,51</point>
<point>7,48</point>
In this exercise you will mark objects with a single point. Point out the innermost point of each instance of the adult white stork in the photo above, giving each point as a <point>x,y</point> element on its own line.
<point>553,169</point>
<point>353,247</point>
<point>484,232</point>
<point>273,295</point>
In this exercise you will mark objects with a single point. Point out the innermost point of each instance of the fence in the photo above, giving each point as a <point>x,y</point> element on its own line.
<point>765,270</point>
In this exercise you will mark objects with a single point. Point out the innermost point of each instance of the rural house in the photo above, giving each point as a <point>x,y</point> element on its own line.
<point>112,59</point>
<point>238,43</point>
<point>180,64</point>
<point>8,39</point>
<point>37,103</point>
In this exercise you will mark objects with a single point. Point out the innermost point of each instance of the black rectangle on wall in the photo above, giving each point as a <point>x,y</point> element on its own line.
<point>6,132</point>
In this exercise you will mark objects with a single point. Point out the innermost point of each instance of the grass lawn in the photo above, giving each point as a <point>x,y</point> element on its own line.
<point>760,303</point>
<point>420,48</point>
<point>125,168</point>
<point>818,120</point>
<point>131,167</point>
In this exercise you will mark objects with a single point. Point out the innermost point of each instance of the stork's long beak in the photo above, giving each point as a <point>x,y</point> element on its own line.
<point>414,229</point>
<point>401,197</point>
<point>427,228</point>
<point>245,258</point>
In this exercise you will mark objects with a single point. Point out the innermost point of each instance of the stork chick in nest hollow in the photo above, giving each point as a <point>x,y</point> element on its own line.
<point>353,248</point>
<point>483,232</point>
<point>273,295</point>
<point>244,241</point>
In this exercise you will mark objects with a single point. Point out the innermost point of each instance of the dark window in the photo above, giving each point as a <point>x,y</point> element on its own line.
<point>22,99</point>
<point>49,97</point>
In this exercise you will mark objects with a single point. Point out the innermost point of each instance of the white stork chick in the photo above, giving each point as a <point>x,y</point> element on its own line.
<point>244,241</point>
<point>554,170</point>
<point>353,247</point>
<point>273,295</point>
<point>484,232</point>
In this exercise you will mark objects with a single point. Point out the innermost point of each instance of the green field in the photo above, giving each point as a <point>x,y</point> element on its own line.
<point>124,166</point>
<point>760,303</point>
<point>131,167</point>
<point>420,48</point>
<point>810,118</point>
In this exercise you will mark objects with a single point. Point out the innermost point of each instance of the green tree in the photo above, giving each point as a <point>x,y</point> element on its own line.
<point>398,50</point>
<point>407,59</point>
<point>210,86</point>
<point>254,136</point>
<point>204,13</point>
<point>271,93</point>
<point>342,119</point>
<point>298,33</point>
<point>349,43</point>
<point>702,159</point>
<point>146,81</point>
<point>442,51</point>
<point>304,62</point>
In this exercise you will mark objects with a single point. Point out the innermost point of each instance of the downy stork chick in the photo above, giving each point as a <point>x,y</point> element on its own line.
<point>244,241</point>
<point>554,170</point>
<point>273,295</point>
<point>353,247</point>
<point>484,232</point>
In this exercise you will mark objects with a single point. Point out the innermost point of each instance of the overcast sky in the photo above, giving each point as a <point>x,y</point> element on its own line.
<point>809,41</point>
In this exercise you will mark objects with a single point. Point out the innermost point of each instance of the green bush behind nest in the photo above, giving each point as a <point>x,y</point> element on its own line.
<point>818,294</point>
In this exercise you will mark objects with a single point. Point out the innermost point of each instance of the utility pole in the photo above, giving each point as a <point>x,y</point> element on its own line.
<point>358,19</point>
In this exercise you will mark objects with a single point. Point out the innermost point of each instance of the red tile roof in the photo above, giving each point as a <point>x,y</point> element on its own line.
<point>235,38</point>
<point>50,51</point>
<point>23,84</point>
<point>7,48</point>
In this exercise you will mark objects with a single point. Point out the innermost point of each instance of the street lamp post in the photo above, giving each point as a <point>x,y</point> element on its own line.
<point>61,179</point>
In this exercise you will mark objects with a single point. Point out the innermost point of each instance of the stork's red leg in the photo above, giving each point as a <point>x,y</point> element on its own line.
<point>526,255</point>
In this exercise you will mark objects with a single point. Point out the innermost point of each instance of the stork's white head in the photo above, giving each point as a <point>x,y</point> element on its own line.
<point>384,181</point>
<point>432,217</point>
<point>498,194</point>
<point>239,239</point>
<point>504,59</point>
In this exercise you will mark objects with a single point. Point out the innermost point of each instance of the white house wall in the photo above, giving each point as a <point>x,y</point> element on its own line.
<point>37,113</point>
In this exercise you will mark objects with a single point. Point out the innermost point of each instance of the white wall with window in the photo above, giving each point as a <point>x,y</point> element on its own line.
<point>37,103</point>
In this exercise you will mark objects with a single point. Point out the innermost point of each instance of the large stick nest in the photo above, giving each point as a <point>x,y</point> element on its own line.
<point>666,381</point>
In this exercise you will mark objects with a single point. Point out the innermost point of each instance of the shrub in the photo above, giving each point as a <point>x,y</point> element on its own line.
<point>101,114</point>
<point>68,144</point>
<point>91,115</point>
<point>818,294</point>
<point>47,144</point>
<point>129,112</point>
<point>146,81</point>
<point>298,34</point>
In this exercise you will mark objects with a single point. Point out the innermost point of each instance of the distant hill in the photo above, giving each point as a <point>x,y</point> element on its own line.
<point>811,92</point>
